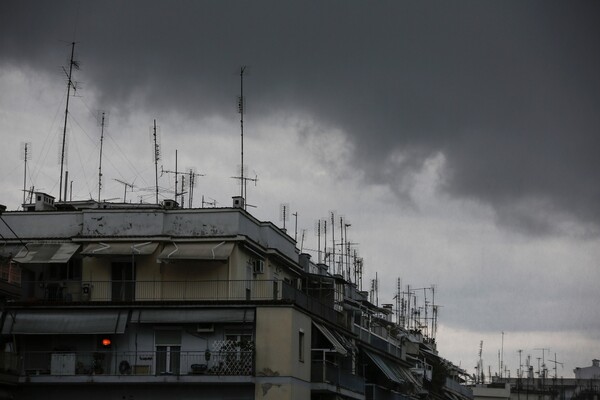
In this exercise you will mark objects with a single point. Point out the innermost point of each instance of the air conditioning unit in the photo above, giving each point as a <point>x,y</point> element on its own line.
<point>205,328</point>
<point>258,266</point>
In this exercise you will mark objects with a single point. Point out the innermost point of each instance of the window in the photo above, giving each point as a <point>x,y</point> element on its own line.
<point>123,281</point>
<point>168,349</point>
<point>237,354</point>
<point>301,345</point>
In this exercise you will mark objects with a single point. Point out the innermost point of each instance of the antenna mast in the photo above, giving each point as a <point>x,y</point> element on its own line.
<point>318,232</point>
<point>284,213</point>
<point>156,158</point>
<point>333,238</point>
<point>72,63</point>
<point>126,185</point>
<point>26,156</point>
<point>296,227</point>
<point>102,122</point>
<point>241,110</point>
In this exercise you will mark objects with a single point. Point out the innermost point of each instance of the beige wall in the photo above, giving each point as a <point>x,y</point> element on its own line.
<point>280,373</point>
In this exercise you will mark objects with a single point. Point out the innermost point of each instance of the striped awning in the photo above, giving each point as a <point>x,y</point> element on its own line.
<point>389,369</point>
<point>47,322</point>
<point>218,251</point>
<point>119,249</point>
<point>335,343</point>
<point>43,253</point>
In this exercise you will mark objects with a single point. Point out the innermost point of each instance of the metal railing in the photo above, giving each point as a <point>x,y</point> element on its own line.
<point>374,392</point>
<point>324,371</point>
<point>138,290</point>
<point>389,345</point>
<point>151,363</point>
<point>10,363</point>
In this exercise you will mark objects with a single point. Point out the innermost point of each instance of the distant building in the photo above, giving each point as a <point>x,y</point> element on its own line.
<point>592,372</point>
<point>104,301</point>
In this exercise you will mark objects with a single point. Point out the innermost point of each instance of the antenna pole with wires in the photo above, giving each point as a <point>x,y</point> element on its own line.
<point>156,158</point>
<point>241,110</point>
<point>102,122</point>
<point>72,63</point>
<point>26,154</point>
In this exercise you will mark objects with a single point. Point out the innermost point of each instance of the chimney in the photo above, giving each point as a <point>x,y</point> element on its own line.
<point>238,202</point>
<point>388,311</point>
<point>170,204</point>
<point>304,261</point>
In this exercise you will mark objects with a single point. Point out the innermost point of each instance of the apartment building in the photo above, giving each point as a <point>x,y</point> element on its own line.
<point>122,301</point>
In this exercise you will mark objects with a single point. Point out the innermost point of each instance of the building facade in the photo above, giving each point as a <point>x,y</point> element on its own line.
<point>152,302</point>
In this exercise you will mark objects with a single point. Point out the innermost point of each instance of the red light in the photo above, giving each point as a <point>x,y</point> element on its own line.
<point>106,342</point>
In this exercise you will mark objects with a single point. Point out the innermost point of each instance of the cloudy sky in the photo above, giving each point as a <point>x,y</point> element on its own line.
<point>459,139</point>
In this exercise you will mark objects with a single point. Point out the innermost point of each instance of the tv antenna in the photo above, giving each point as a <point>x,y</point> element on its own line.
<point>156,154</point>
<point>103,121</point>
<point>555,364</point>
<point>296,227</point>
<point>318,233</point>
<point>375,290</point>
<point>191,175</point>
<point>126,186</point>
<point>302,240</point>
<point>70,84</point>
<point>244,184</point>
<point>164,171</point>
<point>212,202</point>
<point>284,213</point>
<point>25,156</point>
<point>241,111</point>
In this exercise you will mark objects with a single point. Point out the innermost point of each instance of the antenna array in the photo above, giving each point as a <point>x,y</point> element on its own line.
<point>25,156</point>
<point>156,154</point>
<point>103,121</point>
<point>70,84</point>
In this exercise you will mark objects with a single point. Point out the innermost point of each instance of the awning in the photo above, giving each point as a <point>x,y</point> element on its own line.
<point>119,249</point>
<point>387,367</point>
<point>197,251</point>
<point>42,253</point>
<point>337,346</point>
<point>46,322</point>
<point>180,316</point>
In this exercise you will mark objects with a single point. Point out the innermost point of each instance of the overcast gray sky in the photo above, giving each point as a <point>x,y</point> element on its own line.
<point>458,138</point>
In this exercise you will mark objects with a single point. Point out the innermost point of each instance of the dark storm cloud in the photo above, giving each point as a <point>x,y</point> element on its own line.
<point>508,91</point>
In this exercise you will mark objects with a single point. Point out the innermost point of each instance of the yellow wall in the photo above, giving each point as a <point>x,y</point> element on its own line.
<point>280,373</point>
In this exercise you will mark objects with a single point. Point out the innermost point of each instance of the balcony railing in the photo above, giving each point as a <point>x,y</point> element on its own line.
<point>10,363</point>
<point>138,290</point>
<point>323,371</point>
<point>157,363</point>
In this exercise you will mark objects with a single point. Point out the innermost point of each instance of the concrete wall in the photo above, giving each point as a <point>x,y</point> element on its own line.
<point>41,224</point>
<point>139,222</point>
<point>280,374</point>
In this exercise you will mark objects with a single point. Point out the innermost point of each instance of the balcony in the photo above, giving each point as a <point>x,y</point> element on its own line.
<point>121,291</point>
<point>329,373</point>
<point>146,366</point>
<point>128,291</point>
